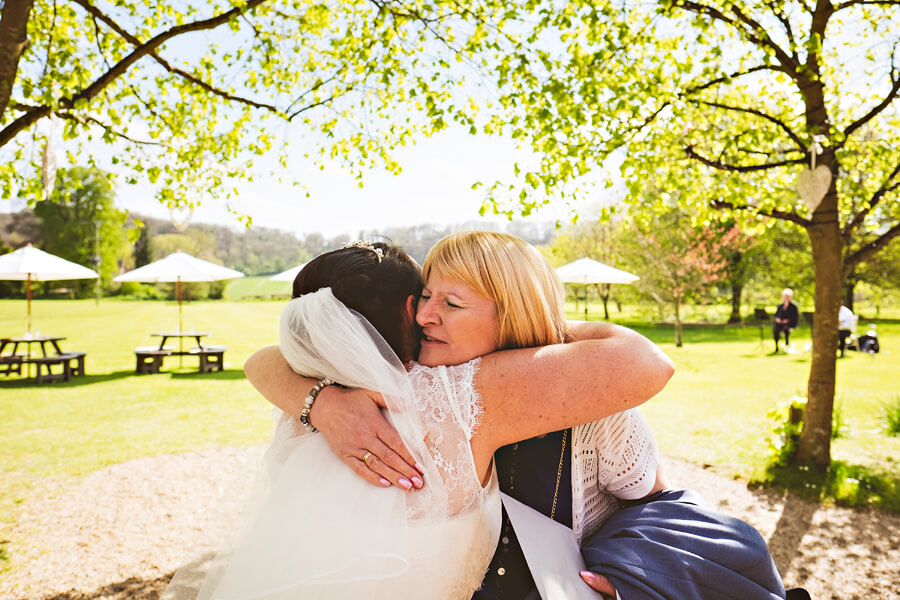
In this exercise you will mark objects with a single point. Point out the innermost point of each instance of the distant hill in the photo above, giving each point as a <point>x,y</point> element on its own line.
<point>265,251</point>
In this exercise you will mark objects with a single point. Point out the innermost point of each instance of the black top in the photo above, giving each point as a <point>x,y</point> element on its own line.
<point>789,312</point>
<point>527,472</point>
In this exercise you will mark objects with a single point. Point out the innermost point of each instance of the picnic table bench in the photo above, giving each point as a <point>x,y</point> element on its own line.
<point>149,359</point>
<point>11,364</point>
<point>70,363</point>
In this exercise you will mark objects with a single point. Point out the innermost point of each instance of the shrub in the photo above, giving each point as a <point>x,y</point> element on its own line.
<point>838,427</point>
<point>892,417</point>
<point>784,434</point>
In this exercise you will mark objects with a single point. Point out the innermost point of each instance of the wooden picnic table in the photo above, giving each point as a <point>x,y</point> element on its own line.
<point>27,341</point>
<point>180,335</point>
<point>149,358</point>
<point>70,363</point>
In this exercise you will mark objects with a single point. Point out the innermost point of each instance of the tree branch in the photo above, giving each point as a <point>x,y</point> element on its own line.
<point>775,6</point>
<point>890,97</point>
<point>870,248</point>
<point>721,166</point>
<point>122,67</point>
<point>89,119</point>
<point>97,14</point>
<point>774,213</point>
<point>883,190</point>
<point>724,78</point>
<point>759,113</point>
<point>851,3</point>
<point>756,33</point>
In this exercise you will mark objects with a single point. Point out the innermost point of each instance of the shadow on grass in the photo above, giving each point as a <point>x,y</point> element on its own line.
<point>225,374</point>
<point>81,380</point>
<point>845,485</point>
<point>30,383</point>
<point>701,333</point>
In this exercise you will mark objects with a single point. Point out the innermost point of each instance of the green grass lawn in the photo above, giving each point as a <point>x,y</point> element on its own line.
<point>712,412</point>
<point>257,287</point>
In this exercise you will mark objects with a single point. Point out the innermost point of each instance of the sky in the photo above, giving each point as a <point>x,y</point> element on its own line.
<point>435,187</point>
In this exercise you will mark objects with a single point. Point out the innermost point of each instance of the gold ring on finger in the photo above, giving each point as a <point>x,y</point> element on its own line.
<point>366,457</point>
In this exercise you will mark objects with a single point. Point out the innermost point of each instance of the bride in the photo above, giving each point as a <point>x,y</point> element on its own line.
<point>322,532</point>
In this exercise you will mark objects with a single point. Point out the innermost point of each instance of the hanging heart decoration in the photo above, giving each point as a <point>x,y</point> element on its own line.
<point>812,185</point>
<point>181,216</point>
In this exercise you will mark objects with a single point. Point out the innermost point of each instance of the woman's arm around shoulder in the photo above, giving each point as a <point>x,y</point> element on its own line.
<point>605,369</point>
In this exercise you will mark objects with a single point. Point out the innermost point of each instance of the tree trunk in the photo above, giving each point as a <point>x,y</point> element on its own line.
<point>604,296</point>
<point>13,40</point>
<point>849,287</point>
<point>678,342</point>
<point>814,449</point>
<point>736,290</point>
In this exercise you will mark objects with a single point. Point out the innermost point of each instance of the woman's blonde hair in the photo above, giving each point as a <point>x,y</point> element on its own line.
<point>511,272</point>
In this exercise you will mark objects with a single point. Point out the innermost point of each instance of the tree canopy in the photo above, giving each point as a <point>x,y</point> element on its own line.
<point>190,95</point>
<point>730,103</point>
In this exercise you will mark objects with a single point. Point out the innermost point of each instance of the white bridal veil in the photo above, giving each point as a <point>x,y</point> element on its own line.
<point>321,531</point>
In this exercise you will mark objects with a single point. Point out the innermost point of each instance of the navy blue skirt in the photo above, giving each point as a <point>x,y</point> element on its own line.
<point>672,545</point>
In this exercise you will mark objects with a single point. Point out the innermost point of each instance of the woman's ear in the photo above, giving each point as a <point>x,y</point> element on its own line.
<point>412,330</point>
<point>411,309</point>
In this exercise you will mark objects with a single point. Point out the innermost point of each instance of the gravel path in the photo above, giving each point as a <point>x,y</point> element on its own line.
<point>121,532</point>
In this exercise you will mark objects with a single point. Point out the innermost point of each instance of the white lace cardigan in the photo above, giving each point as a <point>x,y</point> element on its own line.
<point>613,458</point>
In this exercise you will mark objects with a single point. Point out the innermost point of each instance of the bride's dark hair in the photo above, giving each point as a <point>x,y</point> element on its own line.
<point>376,289</point>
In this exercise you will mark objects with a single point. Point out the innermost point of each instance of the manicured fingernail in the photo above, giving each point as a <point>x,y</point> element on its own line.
<point>405,483</point>
<point>384,482</point>
<point>587,576</point>
<point>417,481</point>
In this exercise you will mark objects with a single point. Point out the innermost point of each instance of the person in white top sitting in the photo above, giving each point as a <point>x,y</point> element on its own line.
<point>846,325</point>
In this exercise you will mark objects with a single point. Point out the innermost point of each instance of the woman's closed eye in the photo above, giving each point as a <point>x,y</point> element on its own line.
<point>426,297</point>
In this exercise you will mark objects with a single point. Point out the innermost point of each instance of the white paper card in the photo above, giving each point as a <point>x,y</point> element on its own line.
<point>551,552</point>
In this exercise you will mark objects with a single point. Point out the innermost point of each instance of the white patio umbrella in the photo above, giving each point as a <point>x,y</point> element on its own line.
<point>288,275</point>
<point>587,270</point>
<point>31,264</point>
<point>177,268</point>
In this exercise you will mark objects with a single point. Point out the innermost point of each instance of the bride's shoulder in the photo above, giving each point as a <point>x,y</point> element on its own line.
<point>461,373</point>
<point>471,365</point>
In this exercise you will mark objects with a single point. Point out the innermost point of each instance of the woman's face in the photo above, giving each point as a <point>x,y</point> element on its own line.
<point>458,324</point>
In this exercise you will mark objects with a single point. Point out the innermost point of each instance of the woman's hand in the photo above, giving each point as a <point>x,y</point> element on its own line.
<point>600,583</point>
<point>352,422</point>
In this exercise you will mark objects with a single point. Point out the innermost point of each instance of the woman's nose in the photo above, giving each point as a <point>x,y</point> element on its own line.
<point>426,315</point>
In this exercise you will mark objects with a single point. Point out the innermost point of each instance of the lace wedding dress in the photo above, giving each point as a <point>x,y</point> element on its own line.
<point>322,532</point>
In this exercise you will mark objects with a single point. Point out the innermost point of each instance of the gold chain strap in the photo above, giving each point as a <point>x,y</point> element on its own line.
<point>562,455</point>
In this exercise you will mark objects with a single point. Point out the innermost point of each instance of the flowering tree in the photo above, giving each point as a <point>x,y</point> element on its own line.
<point>678,259</point>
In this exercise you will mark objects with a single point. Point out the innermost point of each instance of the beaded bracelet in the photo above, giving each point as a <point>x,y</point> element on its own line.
<point>310,398</point>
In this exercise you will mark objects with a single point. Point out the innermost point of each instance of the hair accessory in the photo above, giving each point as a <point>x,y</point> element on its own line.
<point>367,245</point>
<point>310,398</point>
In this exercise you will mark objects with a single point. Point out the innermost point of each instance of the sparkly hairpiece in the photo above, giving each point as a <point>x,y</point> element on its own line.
<point>367,245</point>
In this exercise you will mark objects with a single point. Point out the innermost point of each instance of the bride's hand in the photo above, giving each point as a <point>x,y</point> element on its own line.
<point>351,421</point>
